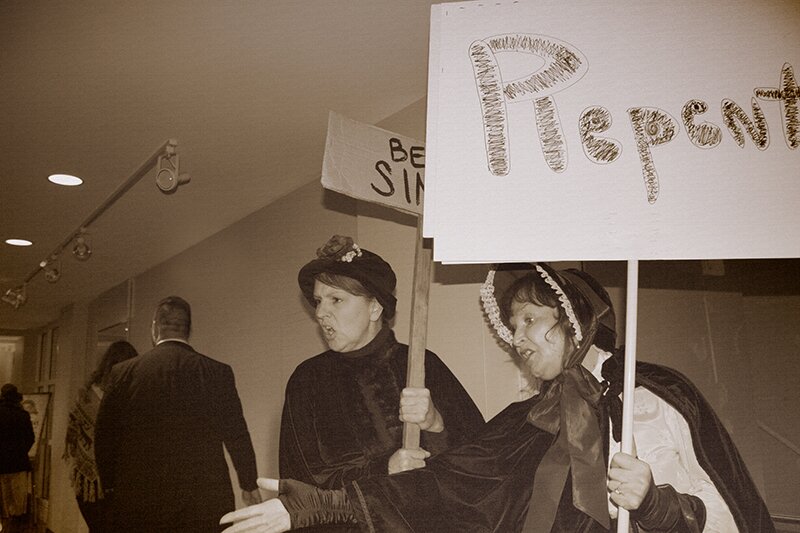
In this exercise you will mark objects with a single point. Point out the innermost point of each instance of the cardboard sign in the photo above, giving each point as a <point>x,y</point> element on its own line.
<point>373,164</point>
<point>647,130</point>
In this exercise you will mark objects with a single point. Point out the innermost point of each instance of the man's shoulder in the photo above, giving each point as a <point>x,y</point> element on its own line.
<point>168,355</point>
<point>171,346</point>
<point>188,355</point>
<point>211,362</point>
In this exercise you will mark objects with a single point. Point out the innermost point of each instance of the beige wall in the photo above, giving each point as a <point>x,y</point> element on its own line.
<point>770,338</point>
<point>69,376</point>
<point>11,349</point>
<point>698,333</point>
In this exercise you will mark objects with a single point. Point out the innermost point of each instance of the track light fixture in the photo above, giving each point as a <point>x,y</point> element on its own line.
<point>82,251</point>
<point>168,175</point>
<point>15,297</point>
<point>52,269</point>
<point>168,178</point>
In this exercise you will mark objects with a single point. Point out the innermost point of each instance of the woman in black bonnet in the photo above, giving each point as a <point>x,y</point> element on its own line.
<point>551,463</point>
<point>344,409</point>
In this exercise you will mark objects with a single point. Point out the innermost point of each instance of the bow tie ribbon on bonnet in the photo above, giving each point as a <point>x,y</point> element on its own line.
<point>567,406</point>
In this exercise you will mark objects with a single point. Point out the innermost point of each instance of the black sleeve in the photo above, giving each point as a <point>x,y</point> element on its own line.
<point>309,506</point>
<point>477,487</point>
<point>665,509</point>
<point>234,430</point>
<point>462,418</point>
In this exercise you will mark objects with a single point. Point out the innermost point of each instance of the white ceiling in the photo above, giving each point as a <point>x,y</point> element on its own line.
<point>94,87</point>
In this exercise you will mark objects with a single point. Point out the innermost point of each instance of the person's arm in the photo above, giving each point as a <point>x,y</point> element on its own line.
<point>298,505</point>
<point>235,435</point>
<point>693,503</point>
<point>473,487</point>
<point>461,418</point>
<point>653,507</point>
<point>718,515</point>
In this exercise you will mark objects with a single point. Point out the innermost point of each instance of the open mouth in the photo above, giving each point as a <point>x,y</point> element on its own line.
<point>327,331</point>
<point>525,354</point>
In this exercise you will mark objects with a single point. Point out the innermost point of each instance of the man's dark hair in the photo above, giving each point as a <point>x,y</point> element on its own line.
<point>173,317</point>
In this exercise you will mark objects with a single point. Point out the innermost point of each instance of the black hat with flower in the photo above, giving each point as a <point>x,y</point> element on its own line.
<point>341,256</point>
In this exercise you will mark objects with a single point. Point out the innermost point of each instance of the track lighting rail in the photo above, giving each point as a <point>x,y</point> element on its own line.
<point>166,152</point>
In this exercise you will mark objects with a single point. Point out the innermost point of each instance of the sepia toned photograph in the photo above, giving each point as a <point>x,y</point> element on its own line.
<point>407,266</point>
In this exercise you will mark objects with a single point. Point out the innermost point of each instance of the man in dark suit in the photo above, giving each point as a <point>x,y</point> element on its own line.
<point>160,433</point>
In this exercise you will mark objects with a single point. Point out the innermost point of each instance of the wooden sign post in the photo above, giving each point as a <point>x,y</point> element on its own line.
<point>415,376</point>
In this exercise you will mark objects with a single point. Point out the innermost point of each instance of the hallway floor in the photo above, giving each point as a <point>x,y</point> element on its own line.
<point>22,525</point>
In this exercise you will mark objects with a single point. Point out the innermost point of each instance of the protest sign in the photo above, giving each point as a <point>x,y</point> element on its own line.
<point>651,130</point>
<point>372,164</point>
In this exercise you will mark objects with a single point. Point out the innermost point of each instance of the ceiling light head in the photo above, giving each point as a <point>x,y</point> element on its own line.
<point>168,175</point>
<point>52,269</point>
<point>15,297</point>
<point>82,251</point>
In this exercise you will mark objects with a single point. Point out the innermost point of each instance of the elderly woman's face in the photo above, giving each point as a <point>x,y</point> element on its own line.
<point>541,346</point>
<point>348,321</point>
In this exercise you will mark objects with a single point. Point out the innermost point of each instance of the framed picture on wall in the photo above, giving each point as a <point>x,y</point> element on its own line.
<point>36,404</point>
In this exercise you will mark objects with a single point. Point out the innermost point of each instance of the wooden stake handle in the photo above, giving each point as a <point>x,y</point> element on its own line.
<point>415,377</point>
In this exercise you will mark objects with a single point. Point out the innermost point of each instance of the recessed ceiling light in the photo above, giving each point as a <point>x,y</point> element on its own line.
<point>18,242</point>
<point>65,179</point>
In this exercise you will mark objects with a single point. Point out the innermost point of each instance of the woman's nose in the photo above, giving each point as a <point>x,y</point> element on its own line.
<point>321,310</point>
<point>518,337</point>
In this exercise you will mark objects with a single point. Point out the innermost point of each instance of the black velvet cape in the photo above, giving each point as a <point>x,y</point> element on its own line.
<point>340,416</point>
<point>486,485</point>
